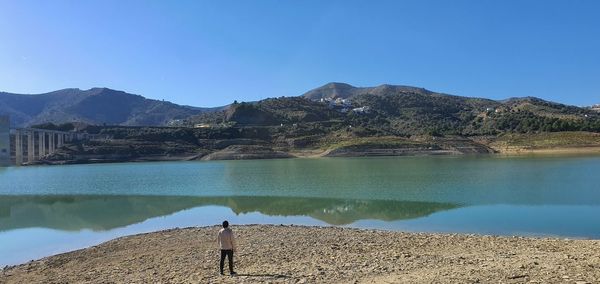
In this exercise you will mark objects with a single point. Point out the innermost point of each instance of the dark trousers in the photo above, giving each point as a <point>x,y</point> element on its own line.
<point>229,254</point>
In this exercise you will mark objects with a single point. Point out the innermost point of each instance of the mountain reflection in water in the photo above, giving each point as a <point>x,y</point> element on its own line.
<point>105,212</point>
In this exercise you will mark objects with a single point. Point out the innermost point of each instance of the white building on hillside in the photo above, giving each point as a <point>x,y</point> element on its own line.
<point>364,109</point>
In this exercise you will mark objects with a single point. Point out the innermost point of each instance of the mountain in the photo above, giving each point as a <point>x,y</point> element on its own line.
<point>94,106</point>
<point>346,91</point>
<point>405,111</point>
<point>380,110</point>
<point>336,120</point>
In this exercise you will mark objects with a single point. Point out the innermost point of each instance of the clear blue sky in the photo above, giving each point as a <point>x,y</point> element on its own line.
<point>209,53</point>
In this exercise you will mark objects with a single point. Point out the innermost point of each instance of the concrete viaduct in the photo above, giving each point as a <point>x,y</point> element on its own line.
<point>28,145</point>
<point>19,146</point>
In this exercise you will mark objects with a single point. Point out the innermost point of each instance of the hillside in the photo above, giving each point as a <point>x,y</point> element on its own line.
<point>405,111</point>
<point>334,120</point>
<point>382,110</point>
<point>94,106</point>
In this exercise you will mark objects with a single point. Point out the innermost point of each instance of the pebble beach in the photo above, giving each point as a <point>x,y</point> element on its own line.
<point>298,254</point>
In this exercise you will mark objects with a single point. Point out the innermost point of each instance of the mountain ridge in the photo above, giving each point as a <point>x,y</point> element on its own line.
<point>344,91</point>
<point>93,106</point>
<point>404,111</point>
<point>100,106</point>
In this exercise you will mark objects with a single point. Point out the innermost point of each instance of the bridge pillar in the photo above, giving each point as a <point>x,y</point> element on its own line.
<point>41,144</point>
<point>18,148</point>
<point>46,141</point>
<point>30,146</point>
<point>60,139</point>
<point>50,142</point>
<point>5,141</point>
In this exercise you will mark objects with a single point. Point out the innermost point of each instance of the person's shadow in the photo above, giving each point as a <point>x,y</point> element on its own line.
<point>264,275</point>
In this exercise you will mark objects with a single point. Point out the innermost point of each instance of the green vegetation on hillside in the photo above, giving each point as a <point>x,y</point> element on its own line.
<point>411,113</point>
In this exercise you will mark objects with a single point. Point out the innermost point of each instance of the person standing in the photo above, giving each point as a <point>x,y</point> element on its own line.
<point>227,245</point>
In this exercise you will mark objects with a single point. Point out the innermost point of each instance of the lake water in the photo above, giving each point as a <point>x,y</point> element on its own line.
<point>48,210</point>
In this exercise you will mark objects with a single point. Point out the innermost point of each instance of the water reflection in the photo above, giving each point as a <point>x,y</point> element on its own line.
<point>105,212</point>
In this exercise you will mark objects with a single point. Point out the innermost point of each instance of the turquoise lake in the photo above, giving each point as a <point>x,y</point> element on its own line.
<point>52,209</point>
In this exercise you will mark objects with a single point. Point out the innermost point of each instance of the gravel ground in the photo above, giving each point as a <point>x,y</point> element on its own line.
<point>297,254</point>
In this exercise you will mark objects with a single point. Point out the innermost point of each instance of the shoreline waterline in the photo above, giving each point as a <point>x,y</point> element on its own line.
<point>22,244</point>
<point>319,153</point>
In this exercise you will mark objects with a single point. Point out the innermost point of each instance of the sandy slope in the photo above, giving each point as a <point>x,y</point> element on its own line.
<point>293,254</point>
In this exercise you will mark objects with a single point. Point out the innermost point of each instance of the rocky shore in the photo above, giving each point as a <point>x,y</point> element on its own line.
<point>154,149</point>
<point>246,152</point>
<point>296,254</point>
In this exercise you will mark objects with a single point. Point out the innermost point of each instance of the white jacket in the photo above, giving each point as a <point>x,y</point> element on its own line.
<point>226,239</point>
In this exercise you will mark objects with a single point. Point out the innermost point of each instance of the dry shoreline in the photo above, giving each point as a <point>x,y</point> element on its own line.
<point>519,151</point>
<point>502,151</point>
<point>298,254</point>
